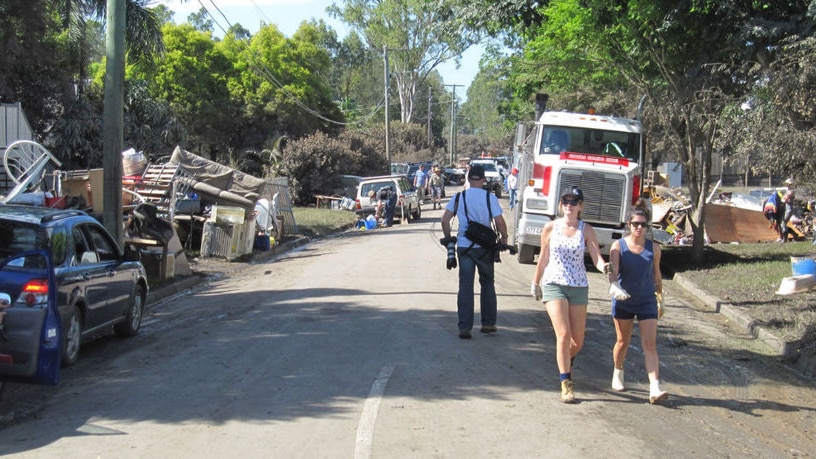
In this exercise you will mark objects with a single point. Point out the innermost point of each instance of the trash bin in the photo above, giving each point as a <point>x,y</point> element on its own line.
<point>803,266</point>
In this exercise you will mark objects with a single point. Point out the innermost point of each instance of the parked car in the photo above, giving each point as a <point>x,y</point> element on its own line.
<point>495,180</point>
<point>453,176</point>
<point>407,201</point>
<point>95,285</point>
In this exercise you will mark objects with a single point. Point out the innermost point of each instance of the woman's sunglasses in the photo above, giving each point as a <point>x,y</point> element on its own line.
<point>570,202</point>
<point>638,224</point>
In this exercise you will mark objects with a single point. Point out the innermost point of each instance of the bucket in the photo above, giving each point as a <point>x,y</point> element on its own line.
<point>803,266</point>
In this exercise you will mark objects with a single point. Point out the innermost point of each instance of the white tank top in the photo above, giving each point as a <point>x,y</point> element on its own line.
<point>566,263</point>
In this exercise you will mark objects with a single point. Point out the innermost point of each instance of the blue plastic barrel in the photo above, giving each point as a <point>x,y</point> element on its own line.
<point>803,265</point>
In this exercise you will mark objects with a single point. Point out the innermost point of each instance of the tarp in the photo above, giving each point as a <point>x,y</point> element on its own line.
<point>222,184</point>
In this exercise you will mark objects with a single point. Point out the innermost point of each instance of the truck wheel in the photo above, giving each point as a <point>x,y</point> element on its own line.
<point>526,254</point>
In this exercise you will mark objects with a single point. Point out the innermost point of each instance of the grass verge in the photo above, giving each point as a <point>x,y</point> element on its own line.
<point>748,276</point>
<point>313,223</point>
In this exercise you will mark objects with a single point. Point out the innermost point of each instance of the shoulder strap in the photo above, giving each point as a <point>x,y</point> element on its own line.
<point>489,210</point>
<point>456,203</point>
<point>464,203</point>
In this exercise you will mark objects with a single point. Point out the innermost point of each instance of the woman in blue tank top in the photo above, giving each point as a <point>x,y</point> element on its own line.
<point>636,266</point>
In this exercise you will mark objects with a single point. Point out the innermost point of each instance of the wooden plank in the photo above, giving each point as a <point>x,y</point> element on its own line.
<point>724,223</point>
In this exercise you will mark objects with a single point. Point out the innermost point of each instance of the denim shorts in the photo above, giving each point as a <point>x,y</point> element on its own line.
<point>573,295</point>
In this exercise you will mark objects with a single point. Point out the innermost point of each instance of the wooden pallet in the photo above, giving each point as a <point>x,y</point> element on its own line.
<point>156,185</point>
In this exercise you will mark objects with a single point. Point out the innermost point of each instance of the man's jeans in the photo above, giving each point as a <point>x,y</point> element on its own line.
<point>471,260</point>
<point>513,198</point>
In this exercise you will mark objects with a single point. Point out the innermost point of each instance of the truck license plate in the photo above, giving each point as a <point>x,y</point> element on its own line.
<point>532,230</point>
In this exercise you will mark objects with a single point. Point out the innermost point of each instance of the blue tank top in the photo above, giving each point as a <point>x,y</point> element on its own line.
<point>636,272</point>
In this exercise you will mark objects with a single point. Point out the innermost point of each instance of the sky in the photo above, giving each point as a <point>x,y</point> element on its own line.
<point>289,14</point>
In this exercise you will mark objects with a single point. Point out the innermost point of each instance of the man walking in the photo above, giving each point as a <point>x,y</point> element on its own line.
<point>475,206</point>
<point>512,187</point>
<point>421,183</point>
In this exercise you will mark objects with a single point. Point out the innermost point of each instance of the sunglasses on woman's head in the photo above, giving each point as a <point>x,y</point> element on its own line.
<point>638,224</point>
<point>571,202</point>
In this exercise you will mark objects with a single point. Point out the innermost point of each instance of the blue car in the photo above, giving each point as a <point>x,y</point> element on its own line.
<point>63,278</point>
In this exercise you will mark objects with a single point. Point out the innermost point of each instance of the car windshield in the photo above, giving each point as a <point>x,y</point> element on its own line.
<point>558,139</point>
<point>488,167</point>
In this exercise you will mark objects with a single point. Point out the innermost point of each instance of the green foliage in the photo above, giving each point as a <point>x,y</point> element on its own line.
<point>421,34</point>
<point>314,162</point>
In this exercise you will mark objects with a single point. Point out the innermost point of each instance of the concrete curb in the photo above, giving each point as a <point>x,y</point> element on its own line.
<point>781,347</point>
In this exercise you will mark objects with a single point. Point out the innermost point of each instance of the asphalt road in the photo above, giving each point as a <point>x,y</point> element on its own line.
<point>348,347</point>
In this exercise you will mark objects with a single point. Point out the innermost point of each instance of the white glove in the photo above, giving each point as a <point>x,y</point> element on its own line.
<point>660,306</point>
<point>535,290</point>
<point>617,292</point>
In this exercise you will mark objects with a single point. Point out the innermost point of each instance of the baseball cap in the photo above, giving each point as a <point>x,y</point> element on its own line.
<point>574,192</point>
<point>476,172</point>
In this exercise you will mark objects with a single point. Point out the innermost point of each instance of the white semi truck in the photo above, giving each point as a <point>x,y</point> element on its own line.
<point>601,155</point>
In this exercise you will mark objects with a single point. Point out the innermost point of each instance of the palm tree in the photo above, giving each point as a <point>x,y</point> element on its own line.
<point>82,18</point>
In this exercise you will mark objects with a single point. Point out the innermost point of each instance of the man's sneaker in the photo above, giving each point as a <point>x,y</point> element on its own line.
<point>617,380</point>
<point>465,334</point>
<point>657,396</point>
<point>567,391</point>
<point>489,329</point>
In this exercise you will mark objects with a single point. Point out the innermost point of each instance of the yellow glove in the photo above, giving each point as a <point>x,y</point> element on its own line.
<point>660,307</point>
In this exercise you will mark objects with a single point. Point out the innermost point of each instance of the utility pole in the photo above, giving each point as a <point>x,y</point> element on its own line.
<point>452,147</point>
<point>430,133</point>
<point>113,119</point>
<point>387,117</point>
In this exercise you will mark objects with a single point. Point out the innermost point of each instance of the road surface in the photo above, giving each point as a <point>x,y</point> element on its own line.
<point>348,347</point>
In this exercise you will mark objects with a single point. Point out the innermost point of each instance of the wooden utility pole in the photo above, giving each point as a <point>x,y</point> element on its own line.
<point>113,119</point>
<point>387,117</point>
<point>430,132</point>
<point>452,146</point>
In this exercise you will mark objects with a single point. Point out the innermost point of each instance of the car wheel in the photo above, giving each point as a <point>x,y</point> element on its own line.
<point>498,192</point>
<point>72,337</point>
<point>133,320</point>
<point>417,214</point>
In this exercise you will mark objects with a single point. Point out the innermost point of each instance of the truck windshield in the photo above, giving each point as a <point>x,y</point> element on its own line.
<point>558,139</point>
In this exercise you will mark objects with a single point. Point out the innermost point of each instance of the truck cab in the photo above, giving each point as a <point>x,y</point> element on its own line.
<point>598,154</point>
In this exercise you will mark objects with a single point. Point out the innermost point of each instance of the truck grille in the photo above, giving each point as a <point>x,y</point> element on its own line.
<point>604,194</point>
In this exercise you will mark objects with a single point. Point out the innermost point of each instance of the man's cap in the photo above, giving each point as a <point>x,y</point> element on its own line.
<point>476,172</point>
<point>574,192</point>
<point>514,171</point>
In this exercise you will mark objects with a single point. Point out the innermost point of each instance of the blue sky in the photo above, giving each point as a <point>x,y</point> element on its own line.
<point>288,15</point>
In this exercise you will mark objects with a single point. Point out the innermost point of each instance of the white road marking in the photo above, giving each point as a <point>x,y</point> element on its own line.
<point>365,428</point>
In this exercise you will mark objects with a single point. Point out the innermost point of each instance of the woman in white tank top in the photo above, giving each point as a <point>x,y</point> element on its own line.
<point>560,281</point>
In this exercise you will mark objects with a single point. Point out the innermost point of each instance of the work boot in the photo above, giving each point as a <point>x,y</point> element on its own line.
<point>567,391</point>
<point>617,380</point>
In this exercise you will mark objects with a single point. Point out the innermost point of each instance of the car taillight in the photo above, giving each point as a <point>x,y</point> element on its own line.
<point>635,188</point>
<point>35,292</point>
<point>357,204</point>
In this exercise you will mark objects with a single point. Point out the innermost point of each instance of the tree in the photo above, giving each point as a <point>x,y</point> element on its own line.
<point>192,77</point>
<point>418,35</point>
<point>693,60</point>
<point>201,20</point>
